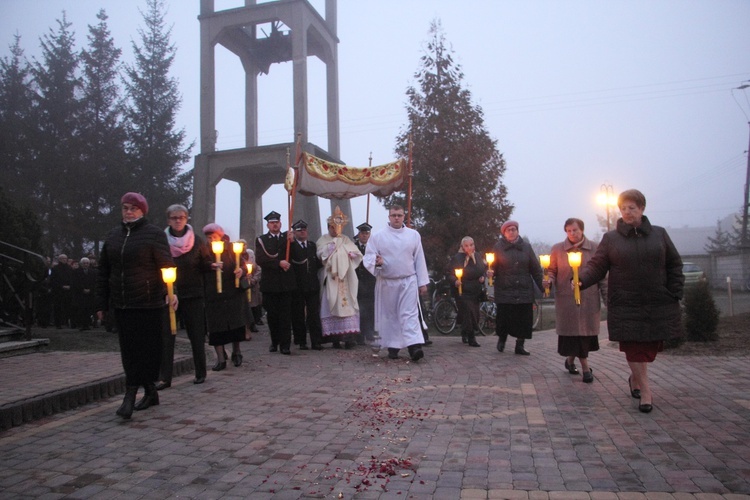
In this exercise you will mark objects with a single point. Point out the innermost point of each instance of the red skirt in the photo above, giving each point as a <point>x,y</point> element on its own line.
<point>641,352</point>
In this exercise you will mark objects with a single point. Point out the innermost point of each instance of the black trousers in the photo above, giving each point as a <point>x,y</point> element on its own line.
<point>140,335</point>
<point>193,318</point>
<point>278,307</point>
<point>306,317</point>
<point>367,317</point>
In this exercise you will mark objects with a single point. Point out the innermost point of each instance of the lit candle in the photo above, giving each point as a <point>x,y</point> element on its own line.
<point>490,260</point>
<point>459,274</point>
<point>249,276</point>
<point>544,261</point>
<point>574,259</point>
<point>237,247</point>
<point>218,248</point>
<point>169,275</point>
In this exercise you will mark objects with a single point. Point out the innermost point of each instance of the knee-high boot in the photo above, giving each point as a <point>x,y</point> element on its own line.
<point>126,408</point>
<point>151,398</point>
<point>519,348</point>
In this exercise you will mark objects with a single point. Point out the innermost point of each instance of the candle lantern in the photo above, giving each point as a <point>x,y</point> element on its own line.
<point>490,260</point>
<point>237,247</point>
<point>459,275</point>
<point>375,343</point>
<point>217,247</point>
<point>544,261</point>
<point>249,276</point>
<point>169,275</point>
<point>574,259</point>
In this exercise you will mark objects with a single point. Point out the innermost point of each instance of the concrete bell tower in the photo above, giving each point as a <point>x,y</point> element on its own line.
<point>256,168</point>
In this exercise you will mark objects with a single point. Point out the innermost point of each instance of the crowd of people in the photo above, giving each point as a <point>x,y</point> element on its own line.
<point>343,291</point>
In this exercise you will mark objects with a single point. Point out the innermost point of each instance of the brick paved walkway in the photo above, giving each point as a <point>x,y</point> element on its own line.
<point>462,423</point>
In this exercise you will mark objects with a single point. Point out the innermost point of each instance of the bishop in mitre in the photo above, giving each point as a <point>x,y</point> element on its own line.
<point>339,310</point>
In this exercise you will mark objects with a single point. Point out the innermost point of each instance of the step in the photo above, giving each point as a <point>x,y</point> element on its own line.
<point>18,347</point>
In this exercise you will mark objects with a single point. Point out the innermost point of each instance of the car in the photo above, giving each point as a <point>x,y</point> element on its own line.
<point>693,273</point>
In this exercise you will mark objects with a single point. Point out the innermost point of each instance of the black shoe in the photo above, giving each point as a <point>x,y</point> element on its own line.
<point>150,398</point>
<point>571,367</point>
<point>464,339</point>
<point>500,345</point>
<point>336,344</point>
<point>163,385</point>
<point>392,353</point>
<point>416,353</point>
<point>427,342</point>
<point>254,329</point>
<point>126,408</point>
<point>588,377</point>
<point>273,348</point>
<point>303,347</point>
<point>237,359</point>
<point>634,393</point>
<point>522,351</point>
<point>285,351</point>
<point>199,380</point>
<point>317,347</point>
<point>259,322</point>
<point>474,343</point>
<point>349,344</point>
<point>219,366</point>
<point>645,408</point>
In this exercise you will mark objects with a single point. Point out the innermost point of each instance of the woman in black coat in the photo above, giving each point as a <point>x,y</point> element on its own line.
<point>644,289</point>
<point>472,288</point>
<point>516,270</point>
<point>225,321</point>
<point>131,284</point>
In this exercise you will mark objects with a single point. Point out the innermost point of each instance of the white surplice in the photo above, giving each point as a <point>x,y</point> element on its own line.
<point>403,271</point>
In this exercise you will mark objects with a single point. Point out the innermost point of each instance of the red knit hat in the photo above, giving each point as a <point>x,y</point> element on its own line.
<point>137,200</point>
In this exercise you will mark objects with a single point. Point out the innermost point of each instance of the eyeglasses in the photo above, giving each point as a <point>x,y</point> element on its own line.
<point>178,218</point>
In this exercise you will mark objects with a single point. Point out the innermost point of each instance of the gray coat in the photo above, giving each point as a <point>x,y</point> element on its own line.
<point>570,318</point>
<point>645,282</point>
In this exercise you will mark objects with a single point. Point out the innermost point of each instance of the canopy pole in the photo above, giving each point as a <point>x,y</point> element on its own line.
<point>367,214</point>
<point>411,174</point>
<point>293,194</point>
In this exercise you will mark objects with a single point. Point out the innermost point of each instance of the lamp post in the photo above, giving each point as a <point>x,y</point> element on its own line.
<point>607,198</point>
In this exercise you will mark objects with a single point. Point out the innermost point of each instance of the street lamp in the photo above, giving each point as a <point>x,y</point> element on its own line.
<point>608,199</point>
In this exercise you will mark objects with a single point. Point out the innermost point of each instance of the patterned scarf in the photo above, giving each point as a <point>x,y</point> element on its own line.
<point>180,245</point>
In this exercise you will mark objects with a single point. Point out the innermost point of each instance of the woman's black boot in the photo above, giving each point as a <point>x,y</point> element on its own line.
<point>151,398</point>
<point>126,408</point>
<point>519,348</point>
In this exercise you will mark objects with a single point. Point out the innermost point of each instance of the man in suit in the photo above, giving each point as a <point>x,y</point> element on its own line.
<point>306,298</point>
<point>277,282</point>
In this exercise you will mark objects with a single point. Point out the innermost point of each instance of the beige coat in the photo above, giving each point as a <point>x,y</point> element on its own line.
<point>572,319</point>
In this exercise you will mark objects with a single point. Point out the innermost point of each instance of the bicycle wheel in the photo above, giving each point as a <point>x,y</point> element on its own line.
<point>487,315</point>
<point>537,314</point>
<point>445,314</point>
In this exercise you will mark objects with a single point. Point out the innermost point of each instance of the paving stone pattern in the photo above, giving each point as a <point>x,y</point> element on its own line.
<point>462,423</point>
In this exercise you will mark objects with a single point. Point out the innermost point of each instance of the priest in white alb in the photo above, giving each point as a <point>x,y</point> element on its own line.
<point>396,259</point>
<point>339,309</point>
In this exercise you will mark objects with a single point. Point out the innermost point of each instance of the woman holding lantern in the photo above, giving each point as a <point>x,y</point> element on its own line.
<point>193,259</point>
<point>471,267</point>
<point>515,270</point>
<point>224,299</point>
<point>577,325</point>
<point>130,283</point>
<point>645,286</point>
